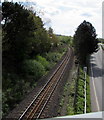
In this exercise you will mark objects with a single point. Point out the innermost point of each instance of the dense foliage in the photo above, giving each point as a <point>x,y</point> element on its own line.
<point>29,52</point>
<point>85,41</point>
<point>23,36</point>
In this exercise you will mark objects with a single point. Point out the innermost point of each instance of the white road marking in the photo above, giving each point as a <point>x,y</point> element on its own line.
<point>95,90</point>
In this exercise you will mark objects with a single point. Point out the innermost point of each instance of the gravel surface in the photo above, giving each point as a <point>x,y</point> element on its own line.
<point>53,105</point>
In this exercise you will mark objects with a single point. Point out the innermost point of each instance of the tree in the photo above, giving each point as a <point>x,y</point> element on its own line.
<point>50,31</point>
<point>53,38</point>
<point>23,36</point>
<point>85,41</point>
<point>17,35</point>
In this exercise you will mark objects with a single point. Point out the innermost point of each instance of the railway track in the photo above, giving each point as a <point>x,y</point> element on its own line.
<point>35,109</point>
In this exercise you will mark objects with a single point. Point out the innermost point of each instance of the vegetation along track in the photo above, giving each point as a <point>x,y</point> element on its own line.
<point>35,109</point>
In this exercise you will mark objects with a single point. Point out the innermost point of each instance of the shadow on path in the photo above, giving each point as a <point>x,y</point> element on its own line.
<point>97,72</point>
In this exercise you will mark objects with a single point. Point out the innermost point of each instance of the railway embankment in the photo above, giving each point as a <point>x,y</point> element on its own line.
<point>16,113</point>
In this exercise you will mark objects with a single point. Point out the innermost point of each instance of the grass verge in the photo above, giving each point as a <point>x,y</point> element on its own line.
<point>79,107</point>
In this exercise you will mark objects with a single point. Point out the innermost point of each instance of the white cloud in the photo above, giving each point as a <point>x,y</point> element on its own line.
<point>66,15</point>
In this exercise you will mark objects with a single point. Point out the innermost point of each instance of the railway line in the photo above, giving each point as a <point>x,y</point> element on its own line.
<point>37,106</point>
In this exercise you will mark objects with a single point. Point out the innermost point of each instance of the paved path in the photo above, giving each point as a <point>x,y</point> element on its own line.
<point>96,81</point>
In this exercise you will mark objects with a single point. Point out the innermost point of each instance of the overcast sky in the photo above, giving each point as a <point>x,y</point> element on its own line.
<point>64,16</point>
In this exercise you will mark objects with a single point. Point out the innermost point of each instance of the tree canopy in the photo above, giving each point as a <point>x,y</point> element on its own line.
<point>24,36</point>
<point>85,41</point>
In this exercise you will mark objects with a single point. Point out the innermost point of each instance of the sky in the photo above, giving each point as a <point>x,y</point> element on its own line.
<point>64,16</point>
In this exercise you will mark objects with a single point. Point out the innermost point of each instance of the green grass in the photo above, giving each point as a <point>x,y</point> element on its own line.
<point>65,39</point>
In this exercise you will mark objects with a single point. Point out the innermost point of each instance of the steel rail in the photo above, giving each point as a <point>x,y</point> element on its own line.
<point>43,88</point>
<point>49,89</point>
<point>61,75</point>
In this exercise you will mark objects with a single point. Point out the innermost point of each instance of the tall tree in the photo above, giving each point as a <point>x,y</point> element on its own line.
<point>22,36</point>
<point>85,41</point>
<point>17,31</point>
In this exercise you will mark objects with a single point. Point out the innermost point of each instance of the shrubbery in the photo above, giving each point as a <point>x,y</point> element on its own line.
<point>34,68</point>
<point>53,57</point>
<point>43,61</point>
<point>12,96</point>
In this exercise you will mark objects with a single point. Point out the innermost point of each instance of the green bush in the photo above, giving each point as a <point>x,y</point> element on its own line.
<point>53,57</point>
<point>43,61</point>
<point>34,68</point>
<point>62,49</point>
